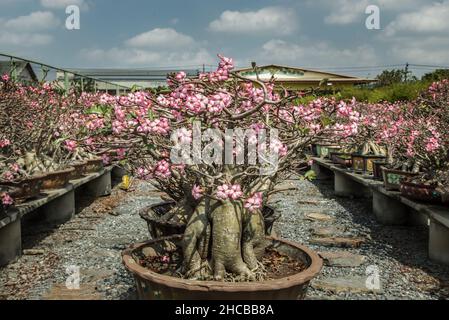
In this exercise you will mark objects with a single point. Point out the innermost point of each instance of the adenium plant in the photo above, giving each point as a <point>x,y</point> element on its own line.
<point>187,143</point>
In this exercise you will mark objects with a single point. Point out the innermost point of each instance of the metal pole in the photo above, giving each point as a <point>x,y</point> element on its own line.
<point>66,82</point>
<point>13,70</point>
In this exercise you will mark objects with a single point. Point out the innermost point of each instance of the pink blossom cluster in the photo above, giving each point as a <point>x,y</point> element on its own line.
<point>71,145</point>
<point>228,191</point>
<point>5,77</point>
<point>197,192</point>
<point>255,202</point>
<point>5,143</point>
<point>225,66</point>
<point>218,102</point>
<point>162,169</point>
<point>6,199</point>
<point>277,147</point>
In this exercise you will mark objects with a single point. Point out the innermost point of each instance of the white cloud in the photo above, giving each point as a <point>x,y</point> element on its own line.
<point>429,19</point>
<point>160,37</point>
<point>428,50</point>
<point>343,12</point>
<point>137,57</point>
<point>315,54</point>
<point>28,31</point>
<point>39,20</point>
<point>62,4</point>
<point>273,20</point>
<point>157,47</point>
<point>24,39</point>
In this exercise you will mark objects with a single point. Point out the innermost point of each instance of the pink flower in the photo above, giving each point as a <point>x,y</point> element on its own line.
<point>8,176</point>
<point>432,145</point>
<point>71,145</point>
<point>5,77</point>
<point>106,159</point>
<point>121,153</point>
<point>255,202</point>
<point>162,169</point>
<point>197,192</point>
<point>4,143</point>
<point>165,259</point>
<point>181,76</point>
<point>227,191</point>
<point>7,200</point>
<point>15,167</point>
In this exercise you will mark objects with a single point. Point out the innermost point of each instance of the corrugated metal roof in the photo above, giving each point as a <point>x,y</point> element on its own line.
<point>133,74</point>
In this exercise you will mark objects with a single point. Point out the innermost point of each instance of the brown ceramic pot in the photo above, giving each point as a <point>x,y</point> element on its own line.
<point>58,179</point>
<point>27,188</point>
<point>154,286</point>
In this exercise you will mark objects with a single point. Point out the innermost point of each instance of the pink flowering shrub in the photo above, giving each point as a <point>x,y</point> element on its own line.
<point>179,140</point>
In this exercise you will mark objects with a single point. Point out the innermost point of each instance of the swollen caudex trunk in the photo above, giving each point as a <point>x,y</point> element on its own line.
<point>223,237</point>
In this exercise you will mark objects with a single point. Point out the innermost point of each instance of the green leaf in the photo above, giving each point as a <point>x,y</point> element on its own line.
<point>326,121</point>
<point>310,175</point>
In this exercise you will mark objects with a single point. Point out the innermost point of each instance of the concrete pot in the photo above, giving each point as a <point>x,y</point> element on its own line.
<point>154,286</point>
<point>392,178</point>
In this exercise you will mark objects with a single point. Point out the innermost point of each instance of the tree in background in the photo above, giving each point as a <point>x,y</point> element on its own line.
<point>389,77</point>
<point>437,75</point>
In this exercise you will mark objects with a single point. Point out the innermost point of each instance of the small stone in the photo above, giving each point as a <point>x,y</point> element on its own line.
<point>327,231</point>
<point>33,252</point>
<point>94,275</point>
<point>318,217</point>
<point>61,292</point>
<point>338,242</point>
<point>349,284</point>
<point>342,259</point>
<point>149,252</point>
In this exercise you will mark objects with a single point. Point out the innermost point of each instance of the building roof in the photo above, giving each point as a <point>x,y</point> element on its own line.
<point>130,74</point>
<point>5,67</point>
<point>295,74</point>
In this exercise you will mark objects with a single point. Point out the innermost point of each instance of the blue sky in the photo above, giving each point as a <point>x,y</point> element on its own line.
<point>173,33</point>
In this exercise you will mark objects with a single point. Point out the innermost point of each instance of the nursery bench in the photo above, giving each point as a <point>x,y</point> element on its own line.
<point>53,207</point>
<point>347,183</point>
<point>391,208</point>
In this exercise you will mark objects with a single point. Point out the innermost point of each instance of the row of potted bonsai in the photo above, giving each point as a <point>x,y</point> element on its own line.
<point>23,189</point>
<point>377,167</point>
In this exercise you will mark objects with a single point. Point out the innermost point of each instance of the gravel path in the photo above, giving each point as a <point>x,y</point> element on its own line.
<point>93,242</point>
<point>398,253</point>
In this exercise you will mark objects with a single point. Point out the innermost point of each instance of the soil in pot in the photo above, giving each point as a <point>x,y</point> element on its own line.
<point>287,269</point>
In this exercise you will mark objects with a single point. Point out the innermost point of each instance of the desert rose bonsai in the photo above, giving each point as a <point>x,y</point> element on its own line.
<point>218,145</point>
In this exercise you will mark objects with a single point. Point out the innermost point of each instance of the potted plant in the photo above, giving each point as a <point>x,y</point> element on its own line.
<point>176,142</point>
<point>428,143</point>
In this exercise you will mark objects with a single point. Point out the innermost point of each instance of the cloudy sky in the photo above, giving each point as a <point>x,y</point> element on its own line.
<point>329,34</point>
